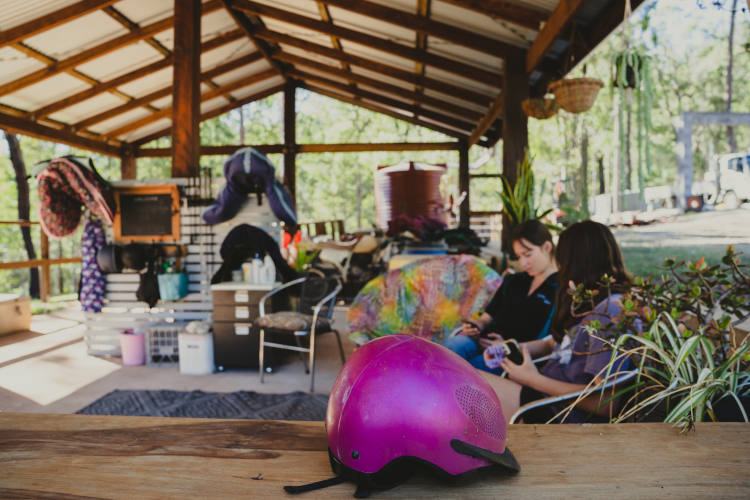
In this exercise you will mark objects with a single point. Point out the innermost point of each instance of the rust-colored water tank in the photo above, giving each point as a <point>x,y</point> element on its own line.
<point>408,188</point>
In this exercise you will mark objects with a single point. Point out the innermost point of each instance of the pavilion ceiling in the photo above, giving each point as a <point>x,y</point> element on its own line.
<point>98,73</point>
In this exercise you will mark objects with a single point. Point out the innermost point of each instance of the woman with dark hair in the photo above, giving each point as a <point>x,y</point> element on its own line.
<point>586,251</point>
<point>523,305</point>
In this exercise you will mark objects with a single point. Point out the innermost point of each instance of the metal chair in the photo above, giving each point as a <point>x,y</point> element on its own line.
<point>612,380</point>
<point>313,316</point>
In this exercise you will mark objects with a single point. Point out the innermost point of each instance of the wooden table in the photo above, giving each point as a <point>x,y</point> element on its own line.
<point>81,456</point>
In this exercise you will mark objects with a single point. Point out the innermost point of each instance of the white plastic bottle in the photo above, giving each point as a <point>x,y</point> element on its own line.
<point>269,270</point>
<point>256,270</point>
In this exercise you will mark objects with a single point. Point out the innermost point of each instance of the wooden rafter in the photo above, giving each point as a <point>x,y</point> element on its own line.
<point>49,21</point>
<point>210,114</point>
<point>248,26</point>
<point>446,121</point>
<point>426,26</point>
<point>557,22</point>
<point>85,56</point>
<point>487,121</point>
<point>378,67</point>
<point>33,129</point>
<point>221,91</point>
<point>48,109</point>
<point>312,148</point>
<point>97,51</point>
<point>164,92</point>
<point>440,62</point>
<point>325,15</point>
<point>507,11</point>
<point>380,85</point>
<point>381,109</point>
<point>423,10</point>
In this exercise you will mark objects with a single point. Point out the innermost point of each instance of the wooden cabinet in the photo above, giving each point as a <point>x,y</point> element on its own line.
<point>235,309</point>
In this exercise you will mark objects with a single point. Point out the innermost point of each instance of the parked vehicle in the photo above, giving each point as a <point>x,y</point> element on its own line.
<point>728,181</point>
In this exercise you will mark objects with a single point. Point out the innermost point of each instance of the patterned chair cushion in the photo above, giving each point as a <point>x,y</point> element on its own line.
<point>294,321</point>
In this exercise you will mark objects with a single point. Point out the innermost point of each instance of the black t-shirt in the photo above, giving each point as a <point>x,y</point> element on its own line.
<point>518,315</point>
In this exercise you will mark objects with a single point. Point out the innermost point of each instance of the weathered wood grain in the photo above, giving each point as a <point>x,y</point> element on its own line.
<point>84,456</point>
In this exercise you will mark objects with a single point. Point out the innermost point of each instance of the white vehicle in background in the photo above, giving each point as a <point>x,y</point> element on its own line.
<point>728,181</point>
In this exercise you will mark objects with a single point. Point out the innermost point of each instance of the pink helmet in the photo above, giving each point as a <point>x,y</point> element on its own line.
<point>401,401</point>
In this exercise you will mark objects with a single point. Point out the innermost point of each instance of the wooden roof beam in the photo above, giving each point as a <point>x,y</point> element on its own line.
<point>97,51</point>
<point>381,109</point>
<point>51,20</point>
<point>443,63</point>
<point>33,129</point>
<point>447,121</point>
<point>164,91</point>
<point>208,115</point>
<point>325,15</point>
<point>560,18</point>
<point>506,11</point>
<point>380,85</point>
<point>166,112</point>
<point>377,67</point>
<point>489,119</point>
<point>425,26</point>
<point>48,109</point>
<point>249,27</point>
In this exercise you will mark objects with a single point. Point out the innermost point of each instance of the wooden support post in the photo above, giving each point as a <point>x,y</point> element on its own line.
<point>44,278</point>
<point>290,139</point>
<point>463,182</point>
<point>515,125</point>
<point>127,164</point>
<point>186,89</point>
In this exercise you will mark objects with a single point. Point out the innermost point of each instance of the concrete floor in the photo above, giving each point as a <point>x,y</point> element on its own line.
<point>47,370</point>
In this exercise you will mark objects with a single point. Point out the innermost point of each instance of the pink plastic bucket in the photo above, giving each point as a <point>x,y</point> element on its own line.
<point>133,349</point>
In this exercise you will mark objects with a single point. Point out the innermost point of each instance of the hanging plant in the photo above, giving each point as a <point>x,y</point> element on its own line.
<point>540,108</point>
<point>576,95</point>
<point>631,75</point>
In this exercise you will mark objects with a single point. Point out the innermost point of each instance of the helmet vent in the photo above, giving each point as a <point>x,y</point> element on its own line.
<point>481,410</point>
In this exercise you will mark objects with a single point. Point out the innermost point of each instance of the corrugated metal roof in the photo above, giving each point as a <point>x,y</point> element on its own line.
<point>77,72</point>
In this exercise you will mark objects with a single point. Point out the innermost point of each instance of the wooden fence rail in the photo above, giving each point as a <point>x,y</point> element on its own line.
<point>44,263</point>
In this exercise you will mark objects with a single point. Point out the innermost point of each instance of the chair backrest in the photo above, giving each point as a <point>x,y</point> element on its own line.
<point>314,289</point>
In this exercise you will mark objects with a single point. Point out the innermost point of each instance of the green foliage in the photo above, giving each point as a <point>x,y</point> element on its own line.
<point>519,202</point>
<point>304,258</point>
<point>680,331</point>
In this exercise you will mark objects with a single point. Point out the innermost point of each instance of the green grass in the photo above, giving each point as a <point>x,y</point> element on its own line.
<point>646,260</point>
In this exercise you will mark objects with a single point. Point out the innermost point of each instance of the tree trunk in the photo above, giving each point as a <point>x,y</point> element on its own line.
<point>730,130</point>
<point>584,169</point>
<point>24,208</point>
<point>600,164</point>
<point>242,125</point>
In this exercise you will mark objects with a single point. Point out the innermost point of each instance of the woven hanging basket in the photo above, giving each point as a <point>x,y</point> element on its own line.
<point>576,95</point>
<point>540,108</point>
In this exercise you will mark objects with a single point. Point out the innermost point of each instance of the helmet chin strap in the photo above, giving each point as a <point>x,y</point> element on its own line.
<point>315,486</point>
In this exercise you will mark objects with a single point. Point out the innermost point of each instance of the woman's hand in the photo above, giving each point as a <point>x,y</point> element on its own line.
<point>491,339</point>
<point>470,329</point>
<point>523,373</point>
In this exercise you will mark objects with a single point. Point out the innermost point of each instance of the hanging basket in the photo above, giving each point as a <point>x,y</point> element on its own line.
<point>540,108</point>
<point>576,95</point>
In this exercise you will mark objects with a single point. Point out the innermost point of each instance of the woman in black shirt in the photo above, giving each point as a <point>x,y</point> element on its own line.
<point>523,305</point>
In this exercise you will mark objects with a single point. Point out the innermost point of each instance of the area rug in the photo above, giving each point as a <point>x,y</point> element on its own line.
<point>199,404</point>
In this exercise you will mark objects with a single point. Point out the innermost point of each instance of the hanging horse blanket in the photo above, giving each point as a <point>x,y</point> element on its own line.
<point>91,294</point>
<point>65,188</point>
<point>427,298</point>
<point>246,171</point>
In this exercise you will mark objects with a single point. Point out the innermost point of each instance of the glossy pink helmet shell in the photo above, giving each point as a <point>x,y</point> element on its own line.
<point>401,396</point>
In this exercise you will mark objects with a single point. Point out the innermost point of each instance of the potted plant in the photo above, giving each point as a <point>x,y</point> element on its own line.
<point>540,108</point>
<point>680,331</point>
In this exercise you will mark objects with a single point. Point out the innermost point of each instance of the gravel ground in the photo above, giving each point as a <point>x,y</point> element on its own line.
<point>721,227</point>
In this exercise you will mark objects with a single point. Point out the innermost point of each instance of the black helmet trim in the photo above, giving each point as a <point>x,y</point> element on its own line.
<point>399,470</point>
<point>504,459</point>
